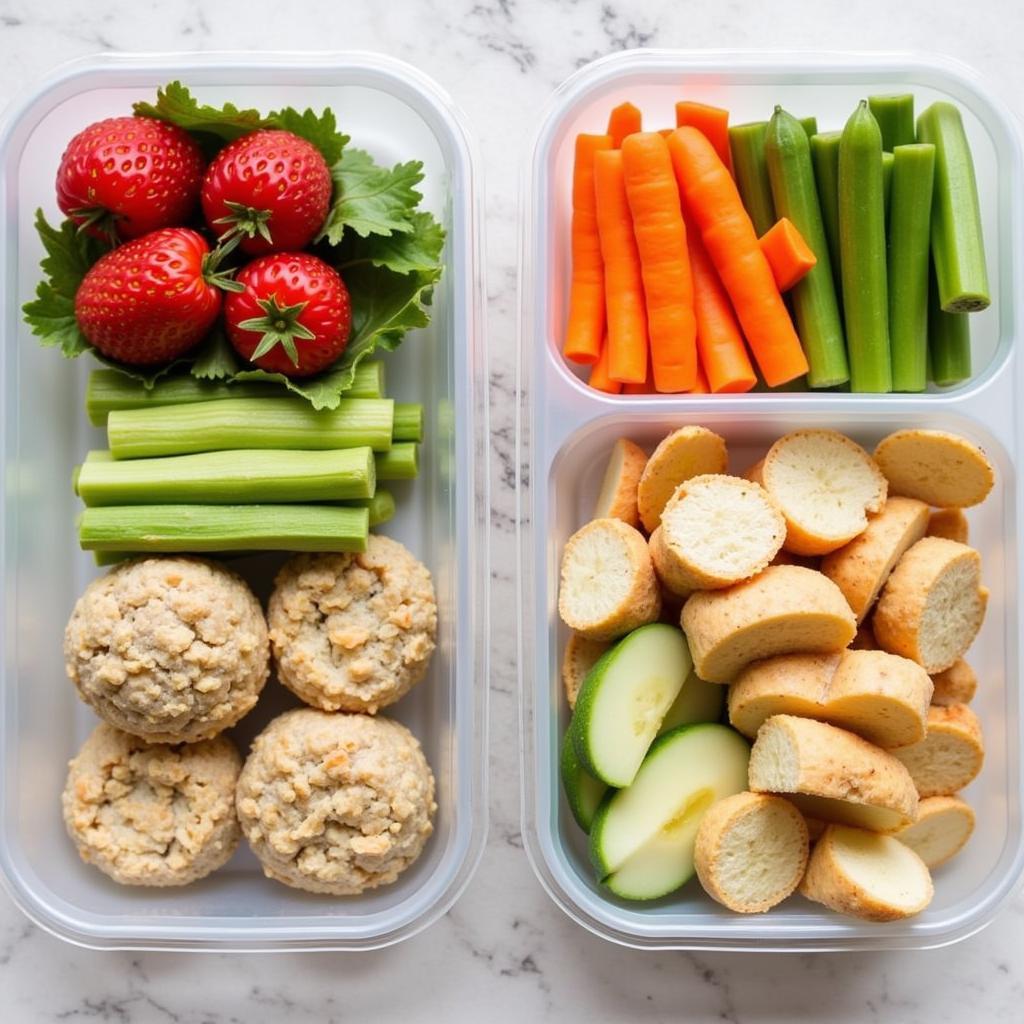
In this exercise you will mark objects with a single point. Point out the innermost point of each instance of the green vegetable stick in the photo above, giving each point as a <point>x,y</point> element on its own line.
<point>746,143</point>
<point>809,125</point>
<point>949,341</point>
<point>381,507</point>
<point>408,422</point>
<point>109,389</point>
<point>958,248</point>
<point>910,212</point>
<point>895,117</point>
<point>238,477</point>
<point>887,162</point>
<point>818,320</point>
<point>148,528</point>
<point>825,158</point>
<point>400,463</point>
<point>862,250</point>
<point>289,423</point>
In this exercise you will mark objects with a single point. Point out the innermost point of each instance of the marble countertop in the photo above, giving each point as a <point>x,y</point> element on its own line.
<point>505,951</point>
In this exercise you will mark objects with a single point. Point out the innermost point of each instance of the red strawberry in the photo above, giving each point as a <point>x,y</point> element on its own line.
<point>293,317</point>
<point>127,176</point>
<point>150,300</point>
<point>270,188</point>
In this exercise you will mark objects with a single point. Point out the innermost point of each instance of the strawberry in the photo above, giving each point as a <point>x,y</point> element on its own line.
<point>150,300</point>
<point>126,176</point>
<point>293,316</point>
<point>271,189</point>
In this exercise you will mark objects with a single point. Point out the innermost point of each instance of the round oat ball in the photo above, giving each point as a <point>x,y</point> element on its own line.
<point>335,804</point>
<point>353,632</point>
<point>170,649</point>
<point>150,813</point>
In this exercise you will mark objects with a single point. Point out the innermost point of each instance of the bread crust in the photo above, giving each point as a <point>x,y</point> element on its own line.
<point>580,657</point>
<point>956,685</point>
<point>687,452</point>
<point>950,756</point>
<point>950,523</point>
<point>943,826</point>
<point>936,467</point>
<point>618,492</point>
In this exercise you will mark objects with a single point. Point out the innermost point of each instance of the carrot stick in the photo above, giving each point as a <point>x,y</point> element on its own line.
<point>586,293</point>
<point>701,386</point>
<point>623,283</point>
<point>729,238</point>
<point>711,122</point>
<point>625,119</point>
<point>599,378</point>
<point>644,388</point>
<point>661,241</point>
<point>788,254</point>
<point>722,353</point>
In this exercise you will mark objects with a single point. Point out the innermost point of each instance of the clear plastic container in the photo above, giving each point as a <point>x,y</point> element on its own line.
<point>397,113</point>
<point>566,431</point>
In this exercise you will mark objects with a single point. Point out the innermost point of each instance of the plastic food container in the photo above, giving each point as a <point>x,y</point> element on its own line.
<point>567,430</point>
<point>398,114</point>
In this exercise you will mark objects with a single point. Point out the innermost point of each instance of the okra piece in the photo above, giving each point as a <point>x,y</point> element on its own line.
<point>288,423</point>
<point>408,422</point>
<point>825,159</point>
<point>949,341</point>
<point>746,143</point>
<point>958,248</point>
<point>862,251</point>
<point>910,213</point>
<point>402,462</point>
<point>165,528</point>
<point>895,117</point>
<point>794,194</point>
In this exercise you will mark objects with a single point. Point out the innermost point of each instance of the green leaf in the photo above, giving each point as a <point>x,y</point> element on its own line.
<point>319,129</point>
<point>369,199</point>
<point>417,249</point>
<point>216,359</point>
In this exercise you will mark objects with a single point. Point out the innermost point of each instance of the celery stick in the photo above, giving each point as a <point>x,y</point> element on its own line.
<point>235,477</point>
<point>408,422</point>
<point>381,507</point>
<point>108,390</point>
<point>289,423</point>
<point>401,463</point>
<point>825,157</point>
<point>746,143</point>
<point>949,341</point>
<point>147,528</point>
<point>895,117</point>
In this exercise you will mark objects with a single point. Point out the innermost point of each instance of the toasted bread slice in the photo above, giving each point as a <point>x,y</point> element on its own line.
<point>825,485</point>
<point>608,584</point>
<point>580,657</point>
<point>784,609</point>
<point>935,467</point>
<point>873,877</point>
<point>832,774</point>
<point>950,523</point>
<point>685,453</point>
<point>617,499</point>
<point>751,851</point>
<point>932,605</point>
<point>715,531</point>
<point>859,569</point>
<point>951,754</point>
<point>879,696</point>
<point>957,685</point>
<point>943,826</point>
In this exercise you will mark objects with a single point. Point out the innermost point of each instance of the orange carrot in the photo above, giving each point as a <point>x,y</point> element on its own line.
<point>623,284</point>
<point>711,122</point>
<point>701,386</point>
<point>586,293</point>
<point>646,386</point>
<point>789,256</point>
<point>661,241</point>
<point>625,119</point>
<point>665,132</point>
<point>729,238</point>
<point>723,355</point>
<point>599,378</point>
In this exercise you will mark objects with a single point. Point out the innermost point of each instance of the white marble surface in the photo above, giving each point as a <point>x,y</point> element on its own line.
<point>505,952</point>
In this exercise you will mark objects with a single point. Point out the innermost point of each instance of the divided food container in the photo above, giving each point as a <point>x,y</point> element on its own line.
<point>566,431</point>
<point>398,114</point>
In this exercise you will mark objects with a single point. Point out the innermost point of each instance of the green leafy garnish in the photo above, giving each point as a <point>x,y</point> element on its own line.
<point>416,249</point>
<point>216,360</point>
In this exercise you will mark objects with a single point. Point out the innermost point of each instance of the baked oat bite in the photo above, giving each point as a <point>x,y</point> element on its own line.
<point>336,803</point>
<point>353,632</point>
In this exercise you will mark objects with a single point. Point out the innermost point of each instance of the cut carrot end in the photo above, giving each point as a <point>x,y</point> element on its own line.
<point>711,122</point>
<point>625,119</point>
<point>787,252</point>
<point>599,379</point>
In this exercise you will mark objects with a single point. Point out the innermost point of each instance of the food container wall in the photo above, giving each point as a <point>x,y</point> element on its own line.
<point>566,432</point>
<point>397,114</point>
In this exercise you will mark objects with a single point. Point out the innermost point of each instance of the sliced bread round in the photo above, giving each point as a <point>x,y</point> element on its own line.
<point>936,467</point>
<point>580,657</point>
<point>832,774</point>
<point>943,826</point>
<point>957,685</point>
<point>784,609</point>
<point>879,696</point>
<point>951,754</point>
<point>608,586</point>
<point>873,877</point>
<point>685,453</point>
<point>715,531</point>
<point>825,485</point>
<point>859,569</point>
<point>950,523</point>
<point>617,499</point>
<point>751,851</point>
<point>933,604</point>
